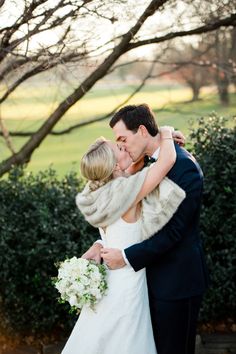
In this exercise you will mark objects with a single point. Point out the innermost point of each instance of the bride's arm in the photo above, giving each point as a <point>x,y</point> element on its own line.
<point>136,166</point>
<point>159,169</point>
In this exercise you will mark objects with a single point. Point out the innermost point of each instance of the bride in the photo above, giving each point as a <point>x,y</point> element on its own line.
<point>122,206</point>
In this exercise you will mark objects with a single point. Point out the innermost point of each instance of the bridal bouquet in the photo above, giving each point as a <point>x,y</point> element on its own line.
<point>81,282</point>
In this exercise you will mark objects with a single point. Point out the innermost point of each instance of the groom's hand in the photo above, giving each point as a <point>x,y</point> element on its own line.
<point>94,252</point>
<point>178,137</point>
<point>113,258</point>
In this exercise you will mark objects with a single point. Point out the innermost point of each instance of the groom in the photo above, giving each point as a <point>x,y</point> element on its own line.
<point>173,257</point>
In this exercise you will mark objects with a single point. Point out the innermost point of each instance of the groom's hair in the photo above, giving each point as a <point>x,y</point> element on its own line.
<point>133,116</point>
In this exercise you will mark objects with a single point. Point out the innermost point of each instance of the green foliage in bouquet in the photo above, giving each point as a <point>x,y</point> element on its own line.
<point>39,225</point>
<point>214,145</point>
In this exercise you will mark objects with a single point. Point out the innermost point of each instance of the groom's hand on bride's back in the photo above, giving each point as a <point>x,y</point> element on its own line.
<point>178,137</point>
<point>94,253</point>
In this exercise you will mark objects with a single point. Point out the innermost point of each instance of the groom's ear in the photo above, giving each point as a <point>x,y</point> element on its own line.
<point>143,131</point>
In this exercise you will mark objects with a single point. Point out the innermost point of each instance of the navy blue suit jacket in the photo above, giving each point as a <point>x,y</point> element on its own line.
<point>173,257</point>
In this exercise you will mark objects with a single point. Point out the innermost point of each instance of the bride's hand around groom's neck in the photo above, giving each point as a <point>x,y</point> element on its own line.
<point>177,135</point>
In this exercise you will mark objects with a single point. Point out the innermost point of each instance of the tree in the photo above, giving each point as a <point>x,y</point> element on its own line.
<point>222,55</point>
<point>78,27</point>
<point>189,61</point>
<point>225,53</point>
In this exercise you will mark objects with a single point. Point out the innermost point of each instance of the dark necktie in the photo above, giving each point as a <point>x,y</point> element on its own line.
<point>148,160</point>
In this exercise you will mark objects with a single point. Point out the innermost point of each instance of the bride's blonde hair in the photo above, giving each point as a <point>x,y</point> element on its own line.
<point>98,164</point>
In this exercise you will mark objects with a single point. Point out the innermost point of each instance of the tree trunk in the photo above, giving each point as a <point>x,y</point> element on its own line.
<point>196,93</point>
<point>223,90</point>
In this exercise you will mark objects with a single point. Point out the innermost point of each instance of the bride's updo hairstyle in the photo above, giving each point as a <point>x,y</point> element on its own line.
<point>98,164</point>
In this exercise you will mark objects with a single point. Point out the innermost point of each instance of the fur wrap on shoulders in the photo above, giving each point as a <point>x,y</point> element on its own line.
<point>108,203</point>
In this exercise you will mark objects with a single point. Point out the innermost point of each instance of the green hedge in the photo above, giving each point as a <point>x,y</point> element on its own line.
<point>39,225</point>
<point>214,144</point>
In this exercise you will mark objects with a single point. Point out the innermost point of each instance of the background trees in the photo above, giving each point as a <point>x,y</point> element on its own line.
<point>87,37</point>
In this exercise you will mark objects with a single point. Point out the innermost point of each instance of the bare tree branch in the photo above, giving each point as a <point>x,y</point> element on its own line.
<point>229,21</point>
<point>26,151</point>
<point>98,119</point>
<point>45,65</point>
<point>45,19</point>
<point>6,136</point>
<point>38,28</point>
<point>2,3</point>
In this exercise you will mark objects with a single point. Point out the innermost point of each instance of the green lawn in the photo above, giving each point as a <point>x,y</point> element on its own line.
<point>28,107</point>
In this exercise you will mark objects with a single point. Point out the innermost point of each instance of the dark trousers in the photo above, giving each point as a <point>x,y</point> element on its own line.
<point>174,324</point>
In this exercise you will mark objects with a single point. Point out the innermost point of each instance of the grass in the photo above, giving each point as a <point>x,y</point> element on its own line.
<point>27,108</point>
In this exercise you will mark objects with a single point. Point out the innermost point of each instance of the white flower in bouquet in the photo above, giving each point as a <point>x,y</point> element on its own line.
<point>81,282</point>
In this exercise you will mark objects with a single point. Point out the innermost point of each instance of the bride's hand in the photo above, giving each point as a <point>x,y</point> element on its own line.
<point>166,131</point>
<point>113,258</point>
<point>177,135</point>
<point>94,252</point>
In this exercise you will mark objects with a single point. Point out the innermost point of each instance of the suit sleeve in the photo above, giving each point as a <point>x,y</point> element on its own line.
<point>149,251</point>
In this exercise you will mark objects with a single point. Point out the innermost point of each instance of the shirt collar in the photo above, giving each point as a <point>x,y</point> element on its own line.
<point>156,153</point>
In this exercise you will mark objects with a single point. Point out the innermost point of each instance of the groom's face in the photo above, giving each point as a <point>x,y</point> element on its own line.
<point>133,142</point>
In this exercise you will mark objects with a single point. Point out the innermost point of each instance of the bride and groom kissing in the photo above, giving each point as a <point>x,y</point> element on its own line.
<point>148,219</point>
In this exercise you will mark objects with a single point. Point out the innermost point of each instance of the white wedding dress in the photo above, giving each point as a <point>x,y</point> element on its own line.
<point>121,322</point>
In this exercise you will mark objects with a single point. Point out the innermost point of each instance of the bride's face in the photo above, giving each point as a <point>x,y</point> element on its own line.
<point>123,158</point>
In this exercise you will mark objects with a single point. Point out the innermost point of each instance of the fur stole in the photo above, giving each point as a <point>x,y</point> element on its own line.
<point>108,203</point>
